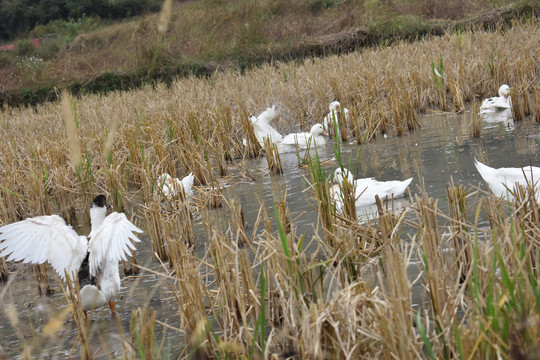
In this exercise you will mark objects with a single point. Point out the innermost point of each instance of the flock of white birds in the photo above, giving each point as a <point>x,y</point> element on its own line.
<point>94,259</point>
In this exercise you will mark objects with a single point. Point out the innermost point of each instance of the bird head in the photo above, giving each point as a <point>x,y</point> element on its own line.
<point>340,174</point>
<point>253,119</point>
<point>317,130</point>
<point>504,91</point>
<point>334,106</point>
<point>98,211</point>
<point>99,201</point>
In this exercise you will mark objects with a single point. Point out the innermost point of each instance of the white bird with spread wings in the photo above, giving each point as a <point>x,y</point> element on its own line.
<point>94,258</point>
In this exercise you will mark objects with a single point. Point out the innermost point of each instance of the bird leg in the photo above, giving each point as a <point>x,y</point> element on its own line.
<point>112,305</point>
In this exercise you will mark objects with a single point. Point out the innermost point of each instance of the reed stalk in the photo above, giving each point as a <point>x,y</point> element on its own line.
<point>4,273</point>
<point>455,88</point>
<point>411,117</point>
<point>396,323</point>
<point>272,157</point>
<point>397,114</point>
<point>154,223</point>
<point>443,278</point>
<point>439,78</point>
<point>355,124</point>
<point>518,111</point>
<point>42,279</point>
<point>322,193</point>
<point>72,133</point>
<point>238,222</point>
<point>536,103</point>
<point>513,240</point>
<point>476,121</point>
<point>460,229</point>
<point>343,125</point>
<point>253,147</point>
<point>73,295</point>
<point>211,198</point>
<point>142,327</point>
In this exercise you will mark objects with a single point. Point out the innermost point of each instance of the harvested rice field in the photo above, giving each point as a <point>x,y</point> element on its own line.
<point>271,254</point>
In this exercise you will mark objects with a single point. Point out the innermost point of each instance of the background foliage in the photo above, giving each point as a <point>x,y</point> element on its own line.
<point>18,17</point>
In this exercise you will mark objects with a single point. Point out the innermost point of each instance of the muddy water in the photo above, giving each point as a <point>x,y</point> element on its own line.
<point>442,150</point>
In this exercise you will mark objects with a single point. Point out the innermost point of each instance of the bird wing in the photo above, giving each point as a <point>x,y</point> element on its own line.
<point>330,119</point>
<point>164,183</point>
<point>509,176</point>
<point>267,115</point>
<point>112,241</point>
<point>187,183</point>
<point>44,239</point>
<point>495,103</point>
<point>291,139</point>
<point>395,188</point>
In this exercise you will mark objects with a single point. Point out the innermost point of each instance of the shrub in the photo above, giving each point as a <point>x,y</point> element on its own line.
<point>25,48</point>
<point>6,58</point>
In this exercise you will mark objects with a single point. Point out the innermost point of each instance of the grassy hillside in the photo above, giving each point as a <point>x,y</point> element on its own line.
<point>204,36</point>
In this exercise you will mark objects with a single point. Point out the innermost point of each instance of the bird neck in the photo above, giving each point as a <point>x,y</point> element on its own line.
<point>97,215</point>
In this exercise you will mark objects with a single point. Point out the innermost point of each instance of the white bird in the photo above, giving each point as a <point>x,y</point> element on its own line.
<point>366,189</point>
<point>94,258</point>
<point>502,181</point>
<point>497,103</point>
<point>438,74</point>
<point>315,136</point>
<point>262,127</point>
<point>332,119</point>
<point>171,187</point>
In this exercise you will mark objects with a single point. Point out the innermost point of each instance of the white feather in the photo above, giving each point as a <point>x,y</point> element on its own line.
<point>501,181</point>
<point>494,104</point>
<point>331,120</point>
<point>92,298</point>
<point>186,183</point>
<point>44,239</point>
<point>315,136</point>
<point>262,127</point>
<point>171,187</point>
<point>366,189</point>
<point>49,239</point>
<point>111,242</point>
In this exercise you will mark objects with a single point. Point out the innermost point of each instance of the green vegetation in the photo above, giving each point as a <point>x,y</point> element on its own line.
<point>20,17</point>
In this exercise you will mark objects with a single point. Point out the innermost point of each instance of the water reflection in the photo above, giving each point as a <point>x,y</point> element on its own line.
<point>494,118</point>
<point>441,151</point>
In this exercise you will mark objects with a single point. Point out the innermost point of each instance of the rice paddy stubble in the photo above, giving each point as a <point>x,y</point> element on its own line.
<point>183,129</point>
<point>272,157</point>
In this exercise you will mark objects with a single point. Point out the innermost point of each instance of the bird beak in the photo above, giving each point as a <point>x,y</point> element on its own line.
<point>325,133</point>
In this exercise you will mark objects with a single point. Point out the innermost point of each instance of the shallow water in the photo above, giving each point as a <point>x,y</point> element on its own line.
<point>440,151</point>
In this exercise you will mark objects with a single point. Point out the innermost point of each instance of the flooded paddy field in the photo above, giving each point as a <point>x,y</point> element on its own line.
<point>256,265</point>
<point>442,151</point>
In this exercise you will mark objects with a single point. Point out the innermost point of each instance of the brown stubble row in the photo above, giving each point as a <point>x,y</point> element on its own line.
<point>334,301</point>
<point>196,125</point>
